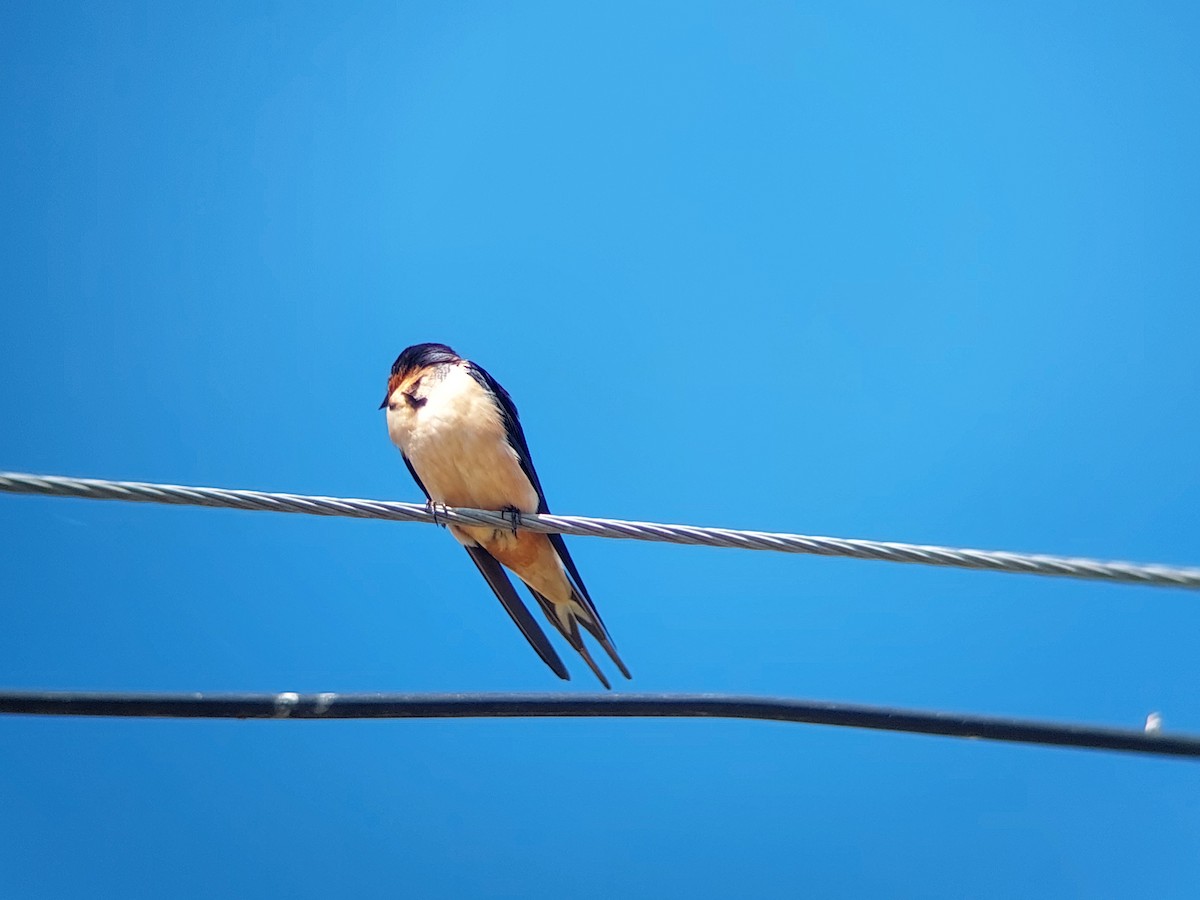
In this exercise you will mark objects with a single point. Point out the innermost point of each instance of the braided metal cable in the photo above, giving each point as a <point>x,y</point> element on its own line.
<point>992,560</point>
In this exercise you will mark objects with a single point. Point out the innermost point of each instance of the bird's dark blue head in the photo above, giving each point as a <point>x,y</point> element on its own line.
<point>418,356</point>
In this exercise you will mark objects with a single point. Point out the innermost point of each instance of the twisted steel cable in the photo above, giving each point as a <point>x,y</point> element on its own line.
<point>992,560</point>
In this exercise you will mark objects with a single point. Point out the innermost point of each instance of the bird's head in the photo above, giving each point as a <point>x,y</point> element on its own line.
<point>418,356</point>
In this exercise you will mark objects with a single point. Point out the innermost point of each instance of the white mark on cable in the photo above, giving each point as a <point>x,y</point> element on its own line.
<point>285,703</point>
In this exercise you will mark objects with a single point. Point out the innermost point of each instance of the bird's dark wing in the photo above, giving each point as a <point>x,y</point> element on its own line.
<point>493,573</point>
<point>507,595</point>
<point>516,439</point>
<point>416,477</point>
<point>512,427</point>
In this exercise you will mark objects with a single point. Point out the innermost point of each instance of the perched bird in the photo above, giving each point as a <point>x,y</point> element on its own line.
<point>458,431</point>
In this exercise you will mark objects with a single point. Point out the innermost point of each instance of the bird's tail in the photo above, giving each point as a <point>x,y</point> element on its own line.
<point>567,617</point>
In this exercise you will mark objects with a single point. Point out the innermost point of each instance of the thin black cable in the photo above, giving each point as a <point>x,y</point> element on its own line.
<point>437,706</point>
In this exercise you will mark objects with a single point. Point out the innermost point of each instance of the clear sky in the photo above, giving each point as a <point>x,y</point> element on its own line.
<point>921,272</point>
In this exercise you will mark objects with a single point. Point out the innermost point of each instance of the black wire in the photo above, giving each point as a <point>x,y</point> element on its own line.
<point>426,706</point>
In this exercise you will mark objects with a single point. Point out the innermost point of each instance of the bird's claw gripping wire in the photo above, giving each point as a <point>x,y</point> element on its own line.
<point>513,515</point>
<point>432,507</point>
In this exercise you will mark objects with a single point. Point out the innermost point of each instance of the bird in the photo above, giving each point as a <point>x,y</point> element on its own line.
<point>462,441</point>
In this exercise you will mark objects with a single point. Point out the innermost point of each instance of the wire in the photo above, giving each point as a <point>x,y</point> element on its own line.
<point>438,706</point>
<point>992,560</point>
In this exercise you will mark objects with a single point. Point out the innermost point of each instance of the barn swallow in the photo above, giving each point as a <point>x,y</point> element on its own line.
<point>462,441</point>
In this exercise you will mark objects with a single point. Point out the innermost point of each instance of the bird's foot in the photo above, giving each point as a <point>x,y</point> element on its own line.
<point>433,511</point>
<point>513,515</point>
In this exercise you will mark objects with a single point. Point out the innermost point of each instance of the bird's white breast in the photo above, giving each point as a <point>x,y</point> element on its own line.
<point>457,444</point>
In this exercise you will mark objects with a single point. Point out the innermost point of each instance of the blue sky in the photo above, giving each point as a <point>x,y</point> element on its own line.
<point>922,272</point>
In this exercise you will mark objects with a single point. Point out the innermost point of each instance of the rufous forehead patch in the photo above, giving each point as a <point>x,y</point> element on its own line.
<point>406,381</point>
